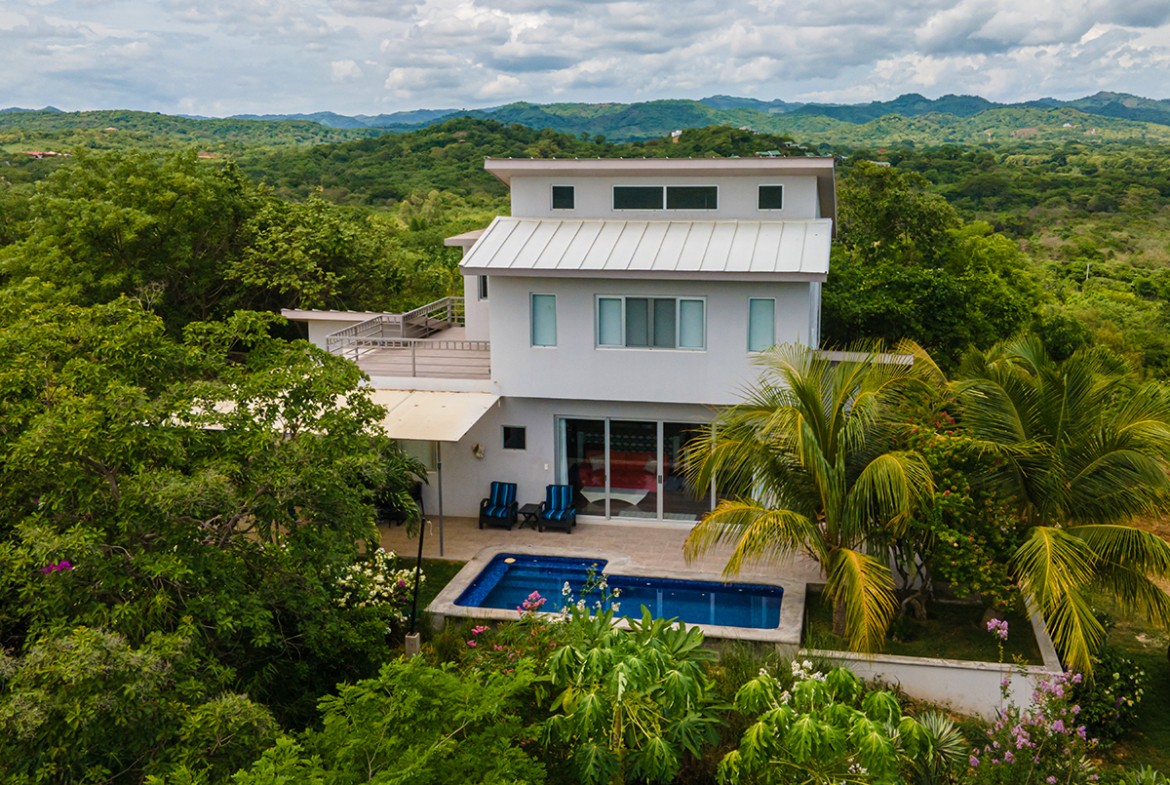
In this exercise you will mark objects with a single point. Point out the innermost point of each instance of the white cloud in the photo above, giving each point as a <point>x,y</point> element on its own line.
<point>503,86</point>
<point>345,70</point>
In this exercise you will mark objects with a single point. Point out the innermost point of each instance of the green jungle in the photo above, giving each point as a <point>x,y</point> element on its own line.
<point>191,588</point>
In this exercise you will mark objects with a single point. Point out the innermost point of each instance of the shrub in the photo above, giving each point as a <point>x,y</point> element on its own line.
<point>629,704</point>
<point>1110,701</point>
<point>826,729</point>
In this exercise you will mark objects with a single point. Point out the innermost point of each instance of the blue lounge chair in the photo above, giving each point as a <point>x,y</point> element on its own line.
<point>557,510</point>
<point>499,509</point>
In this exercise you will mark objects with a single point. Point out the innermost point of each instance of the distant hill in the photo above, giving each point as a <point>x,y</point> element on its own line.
<point>731,102</point>
<point>909,105</point>
<point>910,118</point>
<point>18,109</point>
<point>334,120</point>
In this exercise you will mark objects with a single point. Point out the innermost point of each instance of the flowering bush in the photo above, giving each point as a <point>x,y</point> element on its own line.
<point>1047,743</point>
<point>532,637</point>
<point>378,582</point>
<point>1109,703</point>
<point>57,567</point>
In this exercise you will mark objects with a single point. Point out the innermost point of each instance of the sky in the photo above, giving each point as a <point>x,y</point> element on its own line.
<point>224,57</point>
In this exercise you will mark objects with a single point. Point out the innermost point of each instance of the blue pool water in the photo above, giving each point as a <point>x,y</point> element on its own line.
<point>506,586</point>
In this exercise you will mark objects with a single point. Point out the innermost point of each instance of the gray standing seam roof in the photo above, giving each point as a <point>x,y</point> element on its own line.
<point>760,250</point>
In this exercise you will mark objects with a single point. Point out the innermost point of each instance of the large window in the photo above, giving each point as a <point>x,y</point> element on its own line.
<point>544,320</point>
<point>631,469</point>
<point>651,322</point>
<point>670,197</point>
<point>761,323</point>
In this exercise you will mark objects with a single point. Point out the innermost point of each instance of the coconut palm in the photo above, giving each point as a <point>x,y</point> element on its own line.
<point>1083,451</point>
<point>804,468</point>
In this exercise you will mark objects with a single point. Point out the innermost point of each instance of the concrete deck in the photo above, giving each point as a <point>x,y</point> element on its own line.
<point>445,355</point>
<point>650,546</point>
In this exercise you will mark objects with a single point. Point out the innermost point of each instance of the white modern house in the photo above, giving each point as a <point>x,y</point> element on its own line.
<point>601,324</point>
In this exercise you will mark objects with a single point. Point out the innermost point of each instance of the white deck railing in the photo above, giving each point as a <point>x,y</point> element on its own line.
<point>400,344</point>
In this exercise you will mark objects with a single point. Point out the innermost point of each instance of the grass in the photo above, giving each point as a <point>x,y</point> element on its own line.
<point>439,573</point>
<point>953,632</point>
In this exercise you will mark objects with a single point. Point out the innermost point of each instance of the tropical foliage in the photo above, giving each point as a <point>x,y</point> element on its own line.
<point>1083,451</point>
<point>629,705</point>
<point>807,460</point>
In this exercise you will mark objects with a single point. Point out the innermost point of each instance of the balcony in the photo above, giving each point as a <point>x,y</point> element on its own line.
<point>427,342</point>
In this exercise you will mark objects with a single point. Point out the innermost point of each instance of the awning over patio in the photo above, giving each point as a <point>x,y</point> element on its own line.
<point>431,416</point>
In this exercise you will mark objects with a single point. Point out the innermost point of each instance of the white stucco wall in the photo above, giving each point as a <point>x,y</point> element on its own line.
<point>576,369</point>
<point>476,310</point>
<point>319,330</point>
<point>593,198</point>
<point>467,479</point>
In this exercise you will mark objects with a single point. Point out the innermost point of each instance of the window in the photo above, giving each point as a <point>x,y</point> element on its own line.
<point>562,197</point>
<point>515,437</point>
<point>692,197</point>
<point>637,197</point>
<point>771,197</point>
<point>761,324</point>
<point>481,283</point>
<point>670,197</point>
<point>651,322</point>
<point>544,320</point>
<point>422,451</point>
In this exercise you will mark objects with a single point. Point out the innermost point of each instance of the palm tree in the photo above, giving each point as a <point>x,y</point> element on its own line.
<point>805,463</point>
<point>1083,451</point>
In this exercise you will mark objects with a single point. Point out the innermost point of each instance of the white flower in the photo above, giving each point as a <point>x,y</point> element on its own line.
<point>566,590</point>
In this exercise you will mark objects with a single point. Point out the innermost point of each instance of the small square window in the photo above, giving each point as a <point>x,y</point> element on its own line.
<point>562,197</point>
<point>515,437</point>
<point>771,197</point>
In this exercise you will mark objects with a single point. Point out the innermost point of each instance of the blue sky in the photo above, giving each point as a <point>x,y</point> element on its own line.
<point>221,57</point>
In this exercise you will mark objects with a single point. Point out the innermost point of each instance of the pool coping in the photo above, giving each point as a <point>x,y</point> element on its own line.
<point>786,634</point>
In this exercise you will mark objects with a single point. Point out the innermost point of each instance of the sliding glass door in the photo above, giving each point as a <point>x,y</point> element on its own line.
<point>630,469</point>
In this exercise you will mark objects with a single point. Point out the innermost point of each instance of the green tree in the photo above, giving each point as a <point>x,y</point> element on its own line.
<point>413,725</point>
<point>313,255</point>
<point>224,478</point>
<point>1083,452</point>
<point>804,467</point>
<point>158,226</point>
<point>85,706</point>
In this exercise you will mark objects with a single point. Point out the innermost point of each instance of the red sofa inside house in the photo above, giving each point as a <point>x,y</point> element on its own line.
<point>628,470</point>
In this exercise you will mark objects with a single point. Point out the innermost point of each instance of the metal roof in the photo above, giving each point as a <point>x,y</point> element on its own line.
<point>713,250</point>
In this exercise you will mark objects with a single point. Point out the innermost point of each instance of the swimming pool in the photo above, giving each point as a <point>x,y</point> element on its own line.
<point>509,578</point>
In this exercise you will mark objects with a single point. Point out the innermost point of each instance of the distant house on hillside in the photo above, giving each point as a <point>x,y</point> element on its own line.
<point>601,322</point>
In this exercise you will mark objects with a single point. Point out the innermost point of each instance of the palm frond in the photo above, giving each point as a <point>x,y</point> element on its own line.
<point>1133,548</point>
<point>1052,568</point>
<point>1075,630</point>
<point>866,588</point>
<point>757,534</point>
<point>887,489</point>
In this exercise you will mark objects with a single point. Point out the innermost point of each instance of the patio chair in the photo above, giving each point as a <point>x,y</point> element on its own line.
<point>499,509</point>
<point>557,510</point>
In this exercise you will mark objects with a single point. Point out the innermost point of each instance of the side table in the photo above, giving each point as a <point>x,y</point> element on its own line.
<point>530,513</point>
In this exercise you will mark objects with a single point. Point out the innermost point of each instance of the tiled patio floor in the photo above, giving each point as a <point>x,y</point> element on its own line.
<point>659,546</point>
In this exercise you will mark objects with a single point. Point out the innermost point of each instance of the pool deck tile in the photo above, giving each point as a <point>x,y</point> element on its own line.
<point>654,546</point>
